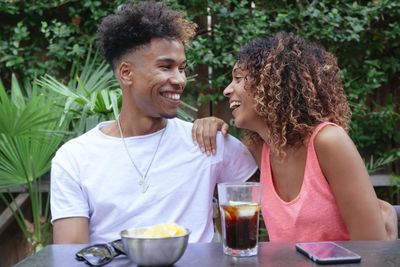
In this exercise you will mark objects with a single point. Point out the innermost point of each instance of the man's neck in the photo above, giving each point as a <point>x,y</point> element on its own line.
<point>134,126</point>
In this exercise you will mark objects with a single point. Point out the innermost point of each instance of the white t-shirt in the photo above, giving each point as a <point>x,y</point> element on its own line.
<point>92,176</point>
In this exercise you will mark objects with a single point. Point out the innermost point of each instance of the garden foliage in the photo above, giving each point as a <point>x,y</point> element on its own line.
<point>39,38</point>
<point>30,134</point>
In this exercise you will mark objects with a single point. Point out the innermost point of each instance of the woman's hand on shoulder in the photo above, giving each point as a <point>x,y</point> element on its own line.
<point>349,180</point>
<point>204,133</point>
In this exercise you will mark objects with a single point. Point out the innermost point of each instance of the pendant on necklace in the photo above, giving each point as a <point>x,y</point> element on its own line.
<point>144,184</point>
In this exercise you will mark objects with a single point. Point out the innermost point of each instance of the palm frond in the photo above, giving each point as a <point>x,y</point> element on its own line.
<point>53,84</point>
<point>374,165</point>
<point>16,95</point>
<point>29,136</point>
<point>92,94</point>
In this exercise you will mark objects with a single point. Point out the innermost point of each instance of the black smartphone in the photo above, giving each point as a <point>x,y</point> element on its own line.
<point>327,252</point>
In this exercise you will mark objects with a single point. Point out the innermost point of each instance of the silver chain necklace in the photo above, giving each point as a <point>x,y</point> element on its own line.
<point>143,181</point>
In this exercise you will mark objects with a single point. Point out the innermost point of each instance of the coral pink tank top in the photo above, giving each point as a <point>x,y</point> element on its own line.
<point>313,215</point>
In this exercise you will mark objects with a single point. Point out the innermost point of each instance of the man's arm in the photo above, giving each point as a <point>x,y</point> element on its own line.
<point>68,202</point>
<point>72,230</point>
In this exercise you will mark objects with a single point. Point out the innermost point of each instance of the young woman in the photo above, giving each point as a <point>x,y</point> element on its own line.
<point>288,93</point>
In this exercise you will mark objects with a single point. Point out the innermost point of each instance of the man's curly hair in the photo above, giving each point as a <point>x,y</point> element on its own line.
<point>296,85</point>
<point>134,25</point>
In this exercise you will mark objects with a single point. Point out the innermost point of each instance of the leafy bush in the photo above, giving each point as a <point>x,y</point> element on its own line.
<point>41,38</point>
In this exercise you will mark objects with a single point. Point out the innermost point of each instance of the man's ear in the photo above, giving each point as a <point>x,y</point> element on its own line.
<point>125,73</point>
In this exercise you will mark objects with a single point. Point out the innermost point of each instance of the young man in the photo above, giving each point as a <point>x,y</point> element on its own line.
<point>143,168</point>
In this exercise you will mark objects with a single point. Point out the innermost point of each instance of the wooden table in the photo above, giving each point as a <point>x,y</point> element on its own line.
<point>373,253</point>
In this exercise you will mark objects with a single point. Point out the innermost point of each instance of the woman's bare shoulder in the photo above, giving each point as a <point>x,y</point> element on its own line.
<point>331,137</point>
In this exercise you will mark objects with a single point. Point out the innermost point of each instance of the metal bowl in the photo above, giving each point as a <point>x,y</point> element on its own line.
<point>153,251</point>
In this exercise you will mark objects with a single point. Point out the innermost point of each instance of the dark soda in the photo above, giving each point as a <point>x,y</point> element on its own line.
<point>240,223</point>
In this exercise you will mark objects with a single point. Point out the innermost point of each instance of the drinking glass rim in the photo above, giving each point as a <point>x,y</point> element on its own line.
<point>239,184</point>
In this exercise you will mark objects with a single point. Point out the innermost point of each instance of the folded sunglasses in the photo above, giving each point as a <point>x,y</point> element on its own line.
<point>100,254</point>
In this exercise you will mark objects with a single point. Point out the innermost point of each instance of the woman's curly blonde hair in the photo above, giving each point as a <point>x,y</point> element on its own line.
<point>296,85</point>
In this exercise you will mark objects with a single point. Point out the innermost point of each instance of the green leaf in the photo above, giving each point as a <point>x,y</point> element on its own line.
<point>16,94</point>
